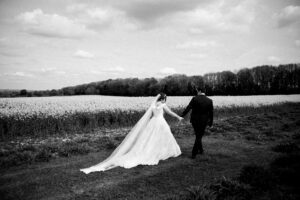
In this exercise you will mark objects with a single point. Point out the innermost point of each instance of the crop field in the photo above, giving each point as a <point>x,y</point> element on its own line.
<point>250,153</point>
<point>61,106</point>
<point>55,115</point>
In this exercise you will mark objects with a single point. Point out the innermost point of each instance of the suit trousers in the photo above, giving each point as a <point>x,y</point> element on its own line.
<point>199,130</point>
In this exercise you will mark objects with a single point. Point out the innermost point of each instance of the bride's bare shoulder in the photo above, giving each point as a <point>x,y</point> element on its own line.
<point>164,105</point>
<point>157,104</point>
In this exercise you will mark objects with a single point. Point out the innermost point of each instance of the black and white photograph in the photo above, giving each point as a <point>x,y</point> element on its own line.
<point>149,99</point>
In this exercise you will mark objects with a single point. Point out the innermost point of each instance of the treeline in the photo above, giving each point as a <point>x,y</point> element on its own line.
<point>283,79</point>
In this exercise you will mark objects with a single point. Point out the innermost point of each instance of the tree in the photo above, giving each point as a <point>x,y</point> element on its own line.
<point>228,83</point>
<point>68,91</point>
<point>91,89</point>
<point>284,79</point>
<point>263,77</point>
<point>23,92</point>
<point>53,93</point>
<point>245,82</point>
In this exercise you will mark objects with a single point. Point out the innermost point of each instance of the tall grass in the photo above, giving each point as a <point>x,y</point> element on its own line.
<point>39,125</point>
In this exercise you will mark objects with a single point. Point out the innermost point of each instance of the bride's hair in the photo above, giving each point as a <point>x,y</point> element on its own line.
<point>162,96</point>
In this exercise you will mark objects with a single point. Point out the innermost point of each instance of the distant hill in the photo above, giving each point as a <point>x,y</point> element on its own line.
<point>266,79</point>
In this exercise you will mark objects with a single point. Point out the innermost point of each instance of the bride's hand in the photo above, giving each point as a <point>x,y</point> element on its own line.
<point>180,118</point>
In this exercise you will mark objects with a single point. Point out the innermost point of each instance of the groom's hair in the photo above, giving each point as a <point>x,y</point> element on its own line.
<point>194,89</point>
<point>200,88</point>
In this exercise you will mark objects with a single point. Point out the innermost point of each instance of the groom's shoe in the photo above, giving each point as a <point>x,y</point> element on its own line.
<point>193,157</point>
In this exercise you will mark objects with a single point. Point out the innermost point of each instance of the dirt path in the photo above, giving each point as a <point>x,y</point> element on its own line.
<point>61,178</point>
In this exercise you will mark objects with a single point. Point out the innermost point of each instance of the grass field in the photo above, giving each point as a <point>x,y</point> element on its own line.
<point>250,153</point>
<point>42,116</point>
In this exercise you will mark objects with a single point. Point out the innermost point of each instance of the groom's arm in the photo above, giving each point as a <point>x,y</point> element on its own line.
<point>187,109</point>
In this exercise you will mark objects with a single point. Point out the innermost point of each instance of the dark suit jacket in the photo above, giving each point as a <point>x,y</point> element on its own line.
<point>202,110</point>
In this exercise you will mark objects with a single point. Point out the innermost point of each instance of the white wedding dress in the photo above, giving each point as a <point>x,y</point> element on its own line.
<point>147,143</point>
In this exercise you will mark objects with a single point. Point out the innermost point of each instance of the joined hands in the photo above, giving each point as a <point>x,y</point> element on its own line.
<point>180,118</point>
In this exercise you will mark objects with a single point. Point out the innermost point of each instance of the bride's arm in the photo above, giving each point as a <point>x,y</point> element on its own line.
<point>170,112</point>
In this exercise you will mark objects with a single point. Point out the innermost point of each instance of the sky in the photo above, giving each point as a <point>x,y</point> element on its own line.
<point>50,44</point>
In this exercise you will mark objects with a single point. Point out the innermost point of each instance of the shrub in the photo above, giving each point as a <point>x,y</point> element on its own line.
<point>286,168</point>
<point>256,176</point>
<point>223,189</point>
<point>286,160</point>
<point>29,148</point>
<point>110,144</point>
<point>43,156</point>
<point>73,148</point>
<point>200,193</point>
<point>268,132</point>
<point>285,127</point>
<point>17,158</point>
<point>252,137</point>
<point>24,157</point>
<point>231,189</point>
<point>105,143</point>
<point>288,147</point>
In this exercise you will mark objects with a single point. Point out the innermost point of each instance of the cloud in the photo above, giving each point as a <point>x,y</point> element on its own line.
<point>52,25</point>
<point>111,70</point>
<point>51,70</point>
<point>61,72</point>
<point>15,47</point>
<point>220,17</point>
<point>99,18</point>
<point>99,14</point>
<point>197,55</point>
<point>242,13</point>
<point>24,74</point>
<point>148,11</point>
<point>77,7</point>
<point>167,71</point>
<point>297,43</point>
<point>198,15</point>
<point>196,44</point>
<point>47,71</point>
<point>95,17</point>
<point>114,69</point>
<point>130,14</point>
<point>83,54</point>
<point>19,74</point>
<point>273,59</point>
<point>96,72</point>
<point>3,40</point>
<point>288,16</point>
<point>11,53</point>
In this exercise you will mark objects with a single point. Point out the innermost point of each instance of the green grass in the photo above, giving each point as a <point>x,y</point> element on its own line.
<point>278,181</point>
<point>21,153</point>
<point>253,126</point>
<point>253,155</point>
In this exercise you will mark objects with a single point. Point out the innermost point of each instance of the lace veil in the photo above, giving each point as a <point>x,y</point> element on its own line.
<point>126,144</point>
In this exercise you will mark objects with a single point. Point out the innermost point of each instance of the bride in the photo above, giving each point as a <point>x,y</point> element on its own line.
<point>148,142</point>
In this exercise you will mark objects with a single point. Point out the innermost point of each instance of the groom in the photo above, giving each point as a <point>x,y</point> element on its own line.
<point>201,116</point>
